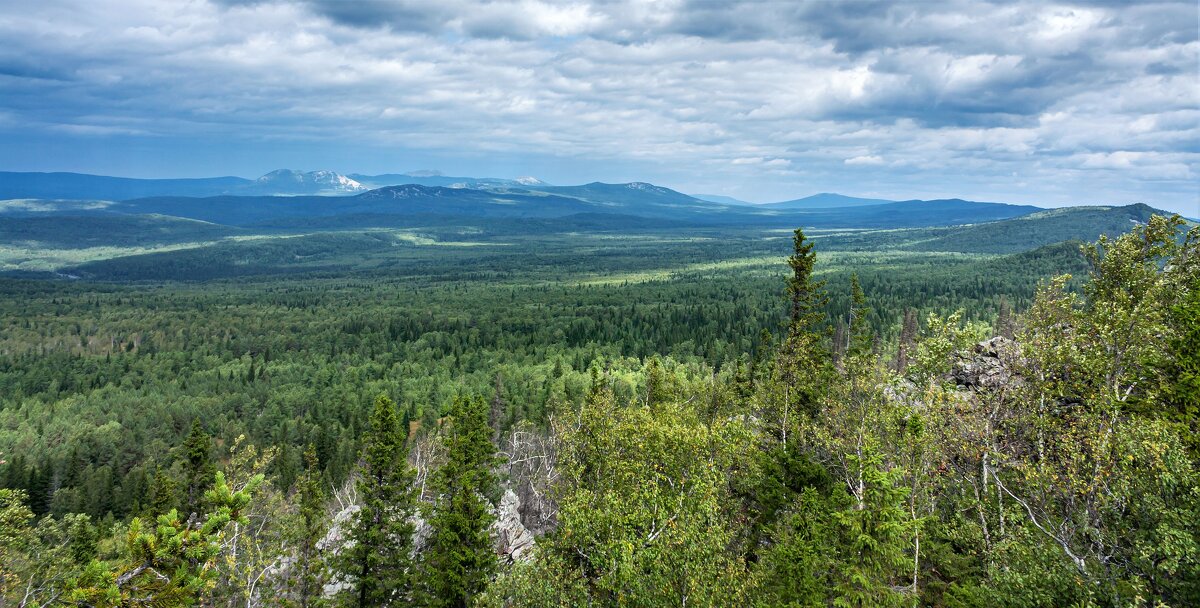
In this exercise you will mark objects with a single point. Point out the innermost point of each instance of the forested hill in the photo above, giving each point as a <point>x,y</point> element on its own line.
<point>1041,228</point>
<point>409,203</point>
<point>487,434</point>
<point>283,195</point>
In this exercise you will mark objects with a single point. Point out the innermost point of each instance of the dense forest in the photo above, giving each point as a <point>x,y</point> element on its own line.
<point>898,428</point>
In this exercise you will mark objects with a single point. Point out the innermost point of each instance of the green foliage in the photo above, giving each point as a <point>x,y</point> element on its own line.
<point>169,564</point>
<point>875,533</point>
<point>37,562</point>
<point>798,568</point>
<point>802,363</point>
<point>164,494</point>
<point>642,511</point>
<point>15,517</point>
<point>1092,468</point>
<point>198,467</point>
<point>943,337</point>
<point>308,582</point>
<point>691,459</point>
<point>861,338</point>
<point>458,560</point>
<point>378,565</point>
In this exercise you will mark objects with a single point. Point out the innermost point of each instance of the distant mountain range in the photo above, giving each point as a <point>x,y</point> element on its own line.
<point>288,182</point>
<point>294,200</point>
<point>426,178</point>
<point>827,200</point>
<point>720,198</point>
<point>618,205</point>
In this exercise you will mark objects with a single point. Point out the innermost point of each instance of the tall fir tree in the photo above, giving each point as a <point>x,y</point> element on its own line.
<point>908,339</point>
<point>378,566</point>
<point>658,385</point>
<point>1006,324</point>
<point>459,559</point>
<point>803,356</point>
<point>860,338</point>
<point>498,407</point>
<point>310,576</point>
<point>164,494</point>
<point>199,468</point>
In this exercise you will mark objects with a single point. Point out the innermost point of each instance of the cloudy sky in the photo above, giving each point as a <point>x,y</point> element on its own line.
<point>1089,102</point>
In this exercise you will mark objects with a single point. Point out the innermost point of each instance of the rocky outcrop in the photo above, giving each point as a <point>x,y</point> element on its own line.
<point>513,540</point>
<point>335,541</point>
<point>989,365</point>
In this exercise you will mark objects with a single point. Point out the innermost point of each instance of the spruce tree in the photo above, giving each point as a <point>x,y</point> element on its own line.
<point>803,358</point>
<point>164,494</point>
<point>459,559</point>
<point>378,565</point>
<point>874,537</point>
<point>658,386</point>
<point>861,339</point>
<point>1006,325</point>
<point>199,469</point>
<point>498,407</point>
<point>310,577</point>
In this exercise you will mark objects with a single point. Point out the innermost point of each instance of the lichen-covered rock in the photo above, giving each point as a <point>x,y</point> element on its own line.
<point>335,541</point>
<point>513,539</point>
<point>989,366</point>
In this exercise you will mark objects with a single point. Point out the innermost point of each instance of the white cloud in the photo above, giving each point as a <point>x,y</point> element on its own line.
<point>869,159</point>
<point>788,96</point>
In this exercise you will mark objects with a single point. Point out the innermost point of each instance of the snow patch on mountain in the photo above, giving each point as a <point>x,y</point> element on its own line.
<point>645,187</point>
<point>289,181</point>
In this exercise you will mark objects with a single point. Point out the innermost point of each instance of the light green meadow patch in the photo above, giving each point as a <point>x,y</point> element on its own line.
<point>829,262</point>
<point>31,257</point>
<point>640,238</point>
<point>665,274</point>
<point>37,205</point>
<point>420,239</point>
<point>259,237</point>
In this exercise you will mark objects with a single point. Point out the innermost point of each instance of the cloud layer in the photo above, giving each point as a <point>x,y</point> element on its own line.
<point>1051,104</point>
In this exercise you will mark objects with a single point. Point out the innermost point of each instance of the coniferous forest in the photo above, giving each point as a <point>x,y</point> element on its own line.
<point>818,423</point>
<point>599,304</point>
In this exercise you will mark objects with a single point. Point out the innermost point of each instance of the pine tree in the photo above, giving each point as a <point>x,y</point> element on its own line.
<point>378,565</point>
<point>311,563</point>
<point>460,559</point>
<point>168,564</point>
<point>199,468</point>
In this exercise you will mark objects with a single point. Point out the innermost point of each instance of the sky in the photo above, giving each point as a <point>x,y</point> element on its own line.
<point>1026,102</point>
